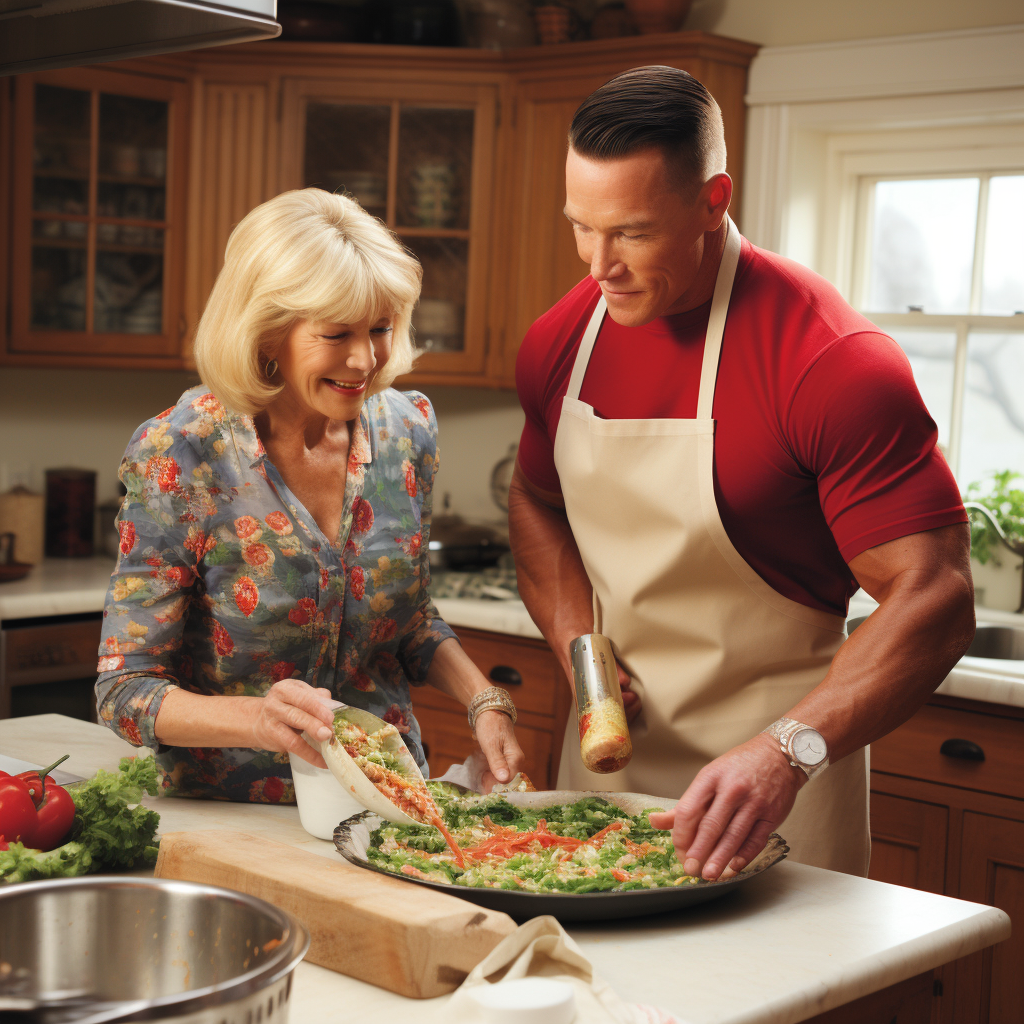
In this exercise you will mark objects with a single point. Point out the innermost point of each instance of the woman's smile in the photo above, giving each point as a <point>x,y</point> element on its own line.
<point>354,387</point>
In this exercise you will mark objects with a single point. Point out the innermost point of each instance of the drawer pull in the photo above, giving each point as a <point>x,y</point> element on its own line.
<point>965,750</point>
<point>506,675</point>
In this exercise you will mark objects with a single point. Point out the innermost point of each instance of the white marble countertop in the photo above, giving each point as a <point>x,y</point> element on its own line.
<point>792,943</point>
<point>70,586</point>
<point>57,586</point>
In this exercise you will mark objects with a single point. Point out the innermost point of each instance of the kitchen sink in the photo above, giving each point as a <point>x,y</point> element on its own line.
<point>998,642</point>
<point>990,641</point>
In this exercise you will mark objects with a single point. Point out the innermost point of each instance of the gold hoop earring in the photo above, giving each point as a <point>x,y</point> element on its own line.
<point>271,368</point>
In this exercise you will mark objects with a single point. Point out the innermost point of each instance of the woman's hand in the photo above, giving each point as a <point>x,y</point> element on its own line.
<point>290,708</point>
<point>497,739</point>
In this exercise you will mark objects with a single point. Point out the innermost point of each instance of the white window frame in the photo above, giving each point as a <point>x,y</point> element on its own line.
<point>961,324</point>
<point>827,121</point>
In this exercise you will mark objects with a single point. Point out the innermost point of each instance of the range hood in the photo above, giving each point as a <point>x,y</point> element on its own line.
<point>40,34</point>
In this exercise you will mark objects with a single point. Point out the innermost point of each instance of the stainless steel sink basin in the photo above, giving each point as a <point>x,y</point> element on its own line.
<point>990,641</point>
<point>998,642</point>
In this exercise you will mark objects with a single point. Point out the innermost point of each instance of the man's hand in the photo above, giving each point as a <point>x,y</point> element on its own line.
<point>724,818</point>
<point>630,700</point>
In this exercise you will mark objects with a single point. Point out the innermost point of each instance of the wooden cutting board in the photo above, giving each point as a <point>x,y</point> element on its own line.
<point>403,937</point>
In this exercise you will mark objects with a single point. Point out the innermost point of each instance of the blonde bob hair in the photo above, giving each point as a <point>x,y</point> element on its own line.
<point>303,255</point>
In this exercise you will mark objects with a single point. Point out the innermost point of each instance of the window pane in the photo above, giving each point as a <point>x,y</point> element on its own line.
<point>131,202</point>
<point>133,140</point>
<point>435,156</point>
<point>347,151</point>
<point>58,287</point>
<point>932,356</point>
<point>129,293</point>
<point>440,315</point>
<point>1002,290</point>
<point>60,160</point>
<point>922,246</point>
<point>993,434</point>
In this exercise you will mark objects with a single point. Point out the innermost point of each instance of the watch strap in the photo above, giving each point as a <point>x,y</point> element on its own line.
<point>782,730</point>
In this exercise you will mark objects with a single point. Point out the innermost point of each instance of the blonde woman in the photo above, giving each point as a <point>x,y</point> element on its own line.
<point>274,534</point>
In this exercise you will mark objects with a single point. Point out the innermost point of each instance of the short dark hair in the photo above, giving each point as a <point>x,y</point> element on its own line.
<point>653,107</point>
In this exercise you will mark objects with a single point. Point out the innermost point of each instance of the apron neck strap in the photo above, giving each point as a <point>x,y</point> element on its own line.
<point>716,321</point>
<point>712,343</point>
<point>579,368</point>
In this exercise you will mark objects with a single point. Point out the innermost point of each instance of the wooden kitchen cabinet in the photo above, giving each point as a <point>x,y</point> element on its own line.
<point>49,666</point>
<point>459,151</point>
<point>97,219</point>
<point>419,155</point>
<point>908,842</point>
<point>953,822</point>
<point>990,985</point>
<point>534,680</point>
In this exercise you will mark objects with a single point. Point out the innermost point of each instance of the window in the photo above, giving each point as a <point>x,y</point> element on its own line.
<point>939,264</point>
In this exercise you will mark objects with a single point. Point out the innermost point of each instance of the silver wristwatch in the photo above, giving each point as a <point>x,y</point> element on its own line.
<point>803,745</point>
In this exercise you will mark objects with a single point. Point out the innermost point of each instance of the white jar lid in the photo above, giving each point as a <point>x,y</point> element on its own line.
<point>526,1001</point>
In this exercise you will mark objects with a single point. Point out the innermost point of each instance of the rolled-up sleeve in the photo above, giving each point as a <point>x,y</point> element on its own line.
<point>426,629</point>
<point>151,590</point>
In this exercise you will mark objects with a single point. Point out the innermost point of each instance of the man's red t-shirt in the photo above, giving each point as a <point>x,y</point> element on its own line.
<point>823,446</point>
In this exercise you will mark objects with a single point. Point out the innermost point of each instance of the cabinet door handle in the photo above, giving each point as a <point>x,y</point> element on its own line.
<point>506,675</point>
<point>964,750</point>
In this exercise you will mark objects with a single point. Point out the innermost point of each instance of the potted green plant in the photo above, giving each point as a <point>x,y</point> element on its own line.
<point>997,520</point>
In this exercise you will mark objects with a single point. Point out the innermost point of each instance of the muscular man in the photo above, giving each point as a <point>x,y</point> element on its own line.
<point>718,451</point>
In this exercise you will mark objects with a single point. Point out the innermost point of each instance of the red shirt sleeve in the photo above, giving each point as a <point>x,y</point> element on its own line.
<point>859,424</point>
<point>543,367</point>
<point>536,456</point>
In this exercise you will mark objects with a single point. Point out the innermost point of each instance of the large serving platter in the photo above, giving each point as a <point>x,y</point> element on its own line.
<point>352,838</point>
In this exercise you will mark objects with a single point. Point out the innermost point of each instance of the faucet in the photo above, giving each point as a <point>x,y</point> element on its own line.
<point>1016,549</point>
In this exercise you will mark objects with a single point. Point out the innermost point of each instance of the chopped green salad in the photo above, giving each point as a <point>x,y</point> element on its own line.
<point>587,846</point>
<point>367,747</point>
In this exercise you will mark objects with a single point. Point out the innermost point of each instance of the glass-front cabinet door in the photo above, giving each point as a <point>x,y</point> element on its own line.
<point>97,216</point>
<point>420,159</point>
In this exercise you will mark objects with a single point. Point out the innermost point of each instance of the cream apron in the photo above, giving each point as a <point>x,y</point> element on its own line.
<point>714,652</point>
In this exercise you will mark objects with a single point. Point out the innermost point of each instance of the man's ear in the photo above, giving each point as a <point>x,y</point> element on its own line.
<point>716,196</point>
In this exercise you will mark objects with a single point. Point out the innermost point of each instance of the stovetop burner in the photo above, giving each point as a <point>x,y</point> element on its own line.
<point>496,584</point>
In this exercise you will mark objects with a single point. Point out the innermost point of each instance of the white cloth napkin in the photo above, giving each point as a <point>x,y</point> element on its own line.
<point>541,948</point>
<point>468,774</point>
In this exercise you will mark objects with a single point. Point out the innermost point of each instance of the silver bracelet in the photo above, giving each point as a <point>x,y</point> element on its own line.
<point>494,698</point>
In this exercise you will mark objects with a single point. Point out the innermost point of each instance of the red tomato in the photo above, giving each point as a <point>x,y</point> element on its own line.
<point>55,811</point>
<point>18,818</point>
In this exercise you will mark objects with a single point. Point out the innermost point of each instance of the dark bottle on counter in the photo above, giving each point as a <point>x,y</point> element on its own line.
<point>70,512</point>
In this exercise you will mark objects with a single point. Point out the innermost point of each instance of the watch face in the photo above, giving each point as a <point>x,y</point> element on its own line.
<point>809,747</point>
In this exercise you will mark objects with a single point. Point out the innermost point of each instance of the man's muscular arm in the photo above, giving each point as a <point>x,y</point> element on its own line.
<point>881,675</point>
<point>552,582</point>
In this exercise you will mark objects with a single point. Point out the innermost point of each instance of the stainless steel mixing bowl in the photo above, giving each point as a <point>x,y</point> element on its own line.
<point>144,949</point>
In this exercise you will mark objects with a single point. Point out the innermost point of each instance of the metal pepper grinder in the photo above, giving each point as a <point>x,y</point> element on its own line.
<point>605,745</point>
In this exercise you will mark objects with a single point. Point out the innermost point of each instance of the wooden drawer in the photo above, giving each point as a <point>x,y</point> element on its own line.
<point>449,742</point>
<point>914,750</point>
<point>503,659</point>
<point>50,652</point>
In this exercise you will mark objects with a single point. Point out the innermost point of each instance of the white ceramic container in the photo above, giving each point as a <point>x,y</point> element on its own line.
<point>323,801</point>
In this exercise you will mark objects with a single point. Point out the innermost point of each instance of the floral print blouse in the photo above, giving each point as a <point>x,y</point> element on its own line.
<point>224,583</point>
